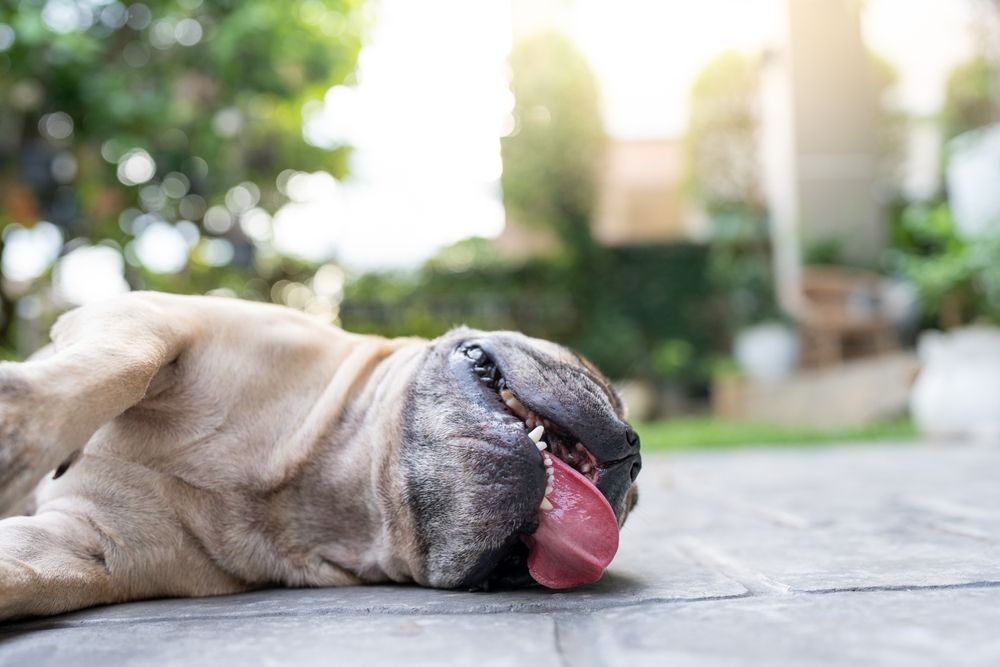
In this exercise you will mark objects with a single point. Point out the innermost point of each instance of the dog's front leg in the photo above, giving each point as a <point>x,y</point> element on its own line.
<point>103,359</point>
<point>78,555</point>
<point>49,564</point>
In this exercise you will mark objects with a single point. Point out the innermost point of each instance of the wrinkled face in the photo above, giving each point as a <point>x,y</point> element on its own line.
<point>517,461</point>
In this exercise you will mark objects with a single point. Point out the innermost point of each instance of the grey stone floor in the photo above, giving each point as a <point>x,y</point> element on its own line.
<point>848,555</point>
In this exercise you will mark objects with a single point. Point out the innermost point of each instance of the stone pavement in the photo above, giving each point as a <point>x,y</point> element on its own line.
<point>882,555</point>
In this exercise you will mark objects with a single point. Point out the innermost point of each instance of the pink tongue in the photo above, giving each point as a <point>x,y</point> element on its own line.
<point>576,539</point>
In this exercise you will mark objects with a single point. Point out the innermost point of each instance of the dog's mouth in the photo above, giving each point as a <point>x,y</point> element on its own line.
<point>577,534</point>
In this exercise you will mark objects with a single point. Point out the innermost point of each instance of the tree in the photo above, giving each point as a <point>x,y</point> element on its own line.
<point>158,111</point>
<point>971,98</point>
<point>721,140</point>
<point>551,157</point>
<point>723,178</point>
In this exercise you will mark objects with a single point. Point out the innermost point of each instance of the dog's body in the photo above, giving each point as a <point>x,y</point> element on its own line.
<point>207,446</point>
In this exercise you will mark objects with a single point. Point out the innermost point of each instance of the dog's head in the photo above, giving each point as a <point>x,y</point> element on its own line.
<point>517,462</point>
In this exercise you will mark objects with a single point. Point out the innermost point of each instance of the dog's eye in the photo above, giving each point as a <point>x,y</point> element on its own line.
<point>475,353</point>
<point>483,365</point>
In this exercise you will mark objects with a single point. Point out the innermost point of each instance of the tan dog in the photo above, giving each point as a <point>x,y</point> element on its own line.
<point>204,446</point>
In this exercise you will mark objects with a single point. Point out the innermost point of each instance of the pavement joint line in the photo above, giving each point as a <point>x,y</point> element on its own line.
<point>948,508</point>
<point>579,613</point>
<point>757,583</point>
<point>958,530</point>
<point>558,641</point>
<point>48,624</point>
<point>900,588</point>
<point>578,642</point>
<point>773,515</point>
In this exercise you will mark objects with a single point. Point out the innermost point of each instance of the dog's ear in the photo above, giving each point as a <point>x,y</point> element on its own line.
<point>617,398</point>
<point>621,408</point>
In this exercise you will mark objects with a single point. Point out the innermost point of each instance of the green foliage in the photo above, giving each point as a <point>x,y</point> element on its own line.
<point>673,358</point>
<point>972,99</point>
<point>892,126</point>
<point>550,159</point>
<point>721,139</point>
<point>740,268</point>
<point>657,297</point>
<point>616,306</point>
<point>211,90</point>
<point>958,280</point>
<point>723,178</point>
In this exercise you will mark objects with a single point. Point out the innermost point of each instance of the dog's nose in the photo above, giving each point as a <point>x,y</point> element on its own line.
<point>632,437</point>
<point>636,467</point>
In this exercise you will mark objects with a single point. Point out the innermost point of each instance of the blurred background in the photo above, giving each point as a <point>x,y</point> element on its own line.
<point>773,220</point>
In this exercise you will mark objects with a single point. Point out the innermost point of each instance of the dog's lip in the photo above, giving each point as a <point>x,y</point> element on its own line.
<point>528,412</point>
<point>557,446</point>
<point>485,370</point>
<point>576,534</point>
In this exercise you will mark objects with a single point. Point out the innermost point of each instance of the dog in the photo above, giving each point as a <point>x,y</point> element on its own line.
<point>204,446</point>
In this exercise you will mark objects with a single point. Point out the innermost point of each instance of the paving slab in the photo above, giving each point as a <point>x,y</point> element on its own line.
<point>514,639</point>
<point>837,518</point>
<point>947,627</point>
<point>854,554</point>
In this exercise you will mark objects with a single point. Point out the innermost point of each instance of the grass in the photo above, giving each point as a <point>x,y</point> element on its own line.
<point>703,432</point>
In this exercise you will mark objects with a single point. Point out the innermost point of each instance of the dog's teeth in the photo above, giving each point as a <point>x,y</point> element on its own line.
<point>548,462</point>
<point>511,400</point>
<point>585,468</point>
<point>536,433</point>
<point>541,445</point>
<point>546,505</point>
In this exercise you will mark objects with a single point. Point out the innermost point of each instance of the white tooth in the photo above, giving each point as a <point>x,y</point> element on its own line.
<point>548,489</point>
<point>548,462</point>
<point>536,434</point>
<point>541,446</point>
<point>546,505</point>
<point>585,468</point>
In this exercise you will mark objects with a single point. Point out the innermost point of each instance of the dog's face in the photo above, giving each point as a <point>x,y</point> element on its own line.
<point>491,505</point>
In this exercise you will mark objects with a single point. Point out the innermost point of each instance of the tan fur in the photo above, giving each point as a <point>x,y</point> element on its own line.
<point>207,446</point>
<point>220,439</point>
